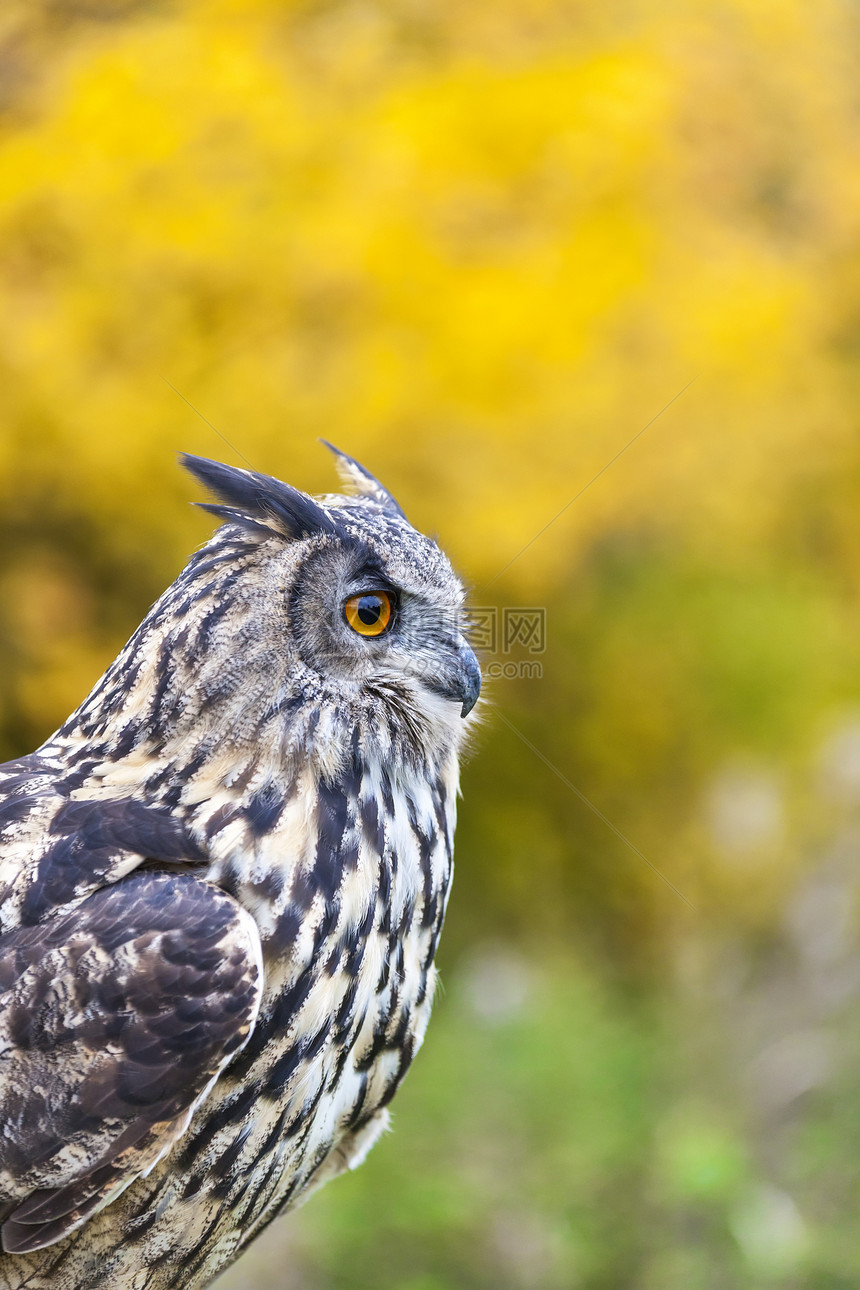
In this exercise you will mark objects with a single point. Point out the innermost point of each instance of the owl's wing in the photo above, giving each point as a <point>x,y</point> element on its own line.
<point>54,849</point>
<point>115,1020</point>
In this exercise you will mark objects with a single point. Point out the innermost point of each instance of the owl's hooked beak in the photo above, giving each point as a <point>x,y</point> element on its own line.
<point>461,678</point>
<point>470,674</point>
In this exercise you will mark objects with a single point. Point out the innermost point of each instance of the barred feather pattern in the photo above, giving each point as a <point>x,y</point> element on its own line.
<point>243,841</point>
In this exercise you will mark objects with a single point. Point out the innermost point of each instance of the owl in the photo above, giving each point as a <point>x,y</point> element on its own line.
<point>222,883</point>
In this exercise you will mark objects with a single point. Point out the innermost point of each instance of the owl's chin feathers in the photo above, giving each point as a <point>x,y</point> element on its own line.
<point>405,725</point>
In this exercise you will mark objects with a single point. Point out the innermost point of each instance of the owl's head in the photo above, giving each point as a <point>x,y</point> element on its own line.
<point>320,622</point>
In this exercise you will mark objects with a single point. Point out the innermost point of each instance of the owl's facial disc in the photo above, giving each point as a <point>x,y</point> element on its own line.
<point>384,630</point>
<point>453,671</point>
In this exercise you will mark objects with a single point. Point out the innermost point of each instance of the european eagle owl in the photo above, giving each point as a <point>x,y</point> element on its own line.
<point>222,883</point>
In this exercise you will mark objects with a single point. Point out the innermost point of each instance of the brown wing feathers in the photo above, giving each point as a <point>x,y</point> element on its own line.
<point>114,1018</point>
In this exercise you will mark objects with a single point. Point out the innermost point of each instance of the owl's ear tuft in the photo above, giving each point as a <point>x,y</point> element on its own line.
<point>259,500</point>
<point>360,482</point>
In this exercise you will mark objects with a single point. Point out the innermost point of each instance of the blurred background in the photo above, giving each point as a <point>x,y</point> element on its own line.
<point>481,246</point>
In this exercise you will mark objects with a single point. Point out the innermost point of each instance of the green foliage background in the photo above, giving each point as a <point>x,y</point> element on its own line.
<point>480,246</point>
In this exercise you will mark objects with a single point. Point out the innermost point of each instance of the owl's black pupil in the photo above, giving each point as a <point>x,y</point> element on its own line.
<point>369,609</point>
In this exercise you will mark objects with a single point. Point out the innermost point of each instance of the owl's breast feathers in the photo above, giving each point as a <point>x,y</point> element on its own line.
<point>204,1007</point>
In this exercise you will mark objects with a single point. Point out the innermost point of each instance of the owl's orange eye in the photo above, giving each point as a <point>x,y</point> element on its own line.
<point>370,613</point>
